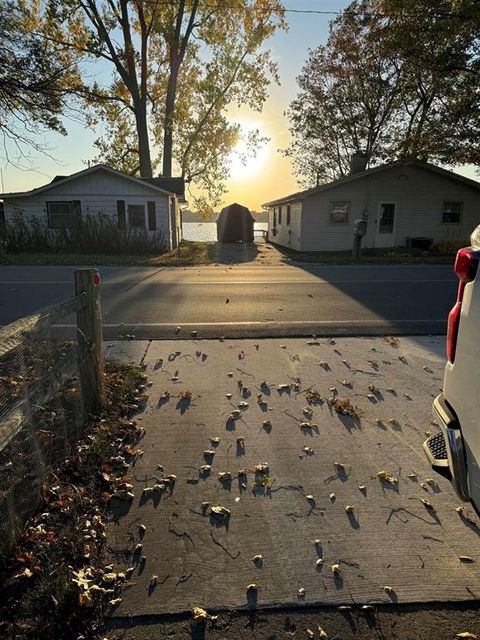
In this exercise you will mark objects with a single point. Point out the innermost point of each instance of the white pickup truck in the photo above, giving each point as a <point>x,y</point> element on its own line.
<point>455,451</point>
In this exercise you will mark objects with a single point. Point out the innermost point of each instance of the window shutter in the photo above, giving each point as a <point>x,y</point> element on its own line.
<point>77,212</point>
<point>2,221</point>
<point>152,216</point>
<point>122,221</point>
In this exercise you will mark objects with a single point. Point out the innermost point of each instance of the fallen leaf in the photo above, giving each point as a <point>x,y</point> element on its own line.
<point>387,476</point>
<point>85,599</point>
<point>114,602</point>
<point>427,503</point>
<point>200,615</point>
<point>26,573</point>
<point>220,511</point>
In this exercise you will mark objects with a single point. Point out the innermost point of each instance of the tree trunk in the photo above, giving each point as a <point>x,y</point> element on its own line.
<point>168,121</point>
<point>143,141</point>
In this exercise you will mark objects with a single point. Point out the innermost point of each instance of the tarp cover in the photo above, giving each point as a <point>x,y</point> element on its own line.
<point>235,224</point>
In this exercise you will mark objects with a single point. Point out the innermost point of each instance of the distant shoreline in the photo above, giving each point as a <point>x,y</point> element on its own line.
<point>189,216</point>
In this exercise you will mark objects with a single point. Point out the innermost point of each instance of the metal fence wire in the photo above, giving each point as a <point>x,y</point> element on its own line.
<point>42,409</point>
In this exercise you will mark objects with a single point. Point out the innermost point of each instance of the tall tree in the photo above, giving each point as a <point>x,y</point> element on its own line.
<point>34,83</point>
<point>396,79</point>
<point>348,94</point>
<point>177,66</point>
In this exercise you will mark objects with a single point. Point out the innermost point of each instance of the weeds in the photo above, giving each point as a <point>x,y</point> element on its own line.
<point>90,234</point>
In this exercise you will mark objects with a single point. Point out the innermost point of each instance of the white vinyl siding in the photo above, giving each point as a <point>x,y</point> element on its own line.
<point>287,235</point>
<point>419,196</point>
<point>98,193</point>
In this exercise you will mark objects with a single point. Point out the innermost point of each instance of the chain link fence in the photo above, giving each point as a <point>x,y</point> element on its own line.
<point>44,404</point>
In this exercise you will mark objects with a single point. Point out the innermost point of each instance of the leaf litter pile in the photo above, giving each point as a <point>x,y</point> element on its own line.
<point>53,583</point>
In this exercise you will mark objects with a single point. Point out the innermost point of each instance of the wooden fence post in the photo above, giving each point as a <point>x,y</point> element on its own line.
<point>89,335</point>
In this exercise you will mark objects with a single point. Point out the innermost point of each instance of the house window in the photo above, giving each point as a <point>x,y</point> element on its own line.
<point>60,215</point>
<point>339,212</point>
<point>387,217</point>
<point>288,215</point>
<point>136,216</point>
<point>452,212</point>
<point>279,216</point>
<point>274,217</point>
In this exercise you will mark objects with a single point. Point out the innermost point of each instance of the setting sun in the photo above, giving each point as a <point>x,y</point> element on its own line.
<point>246,161</point>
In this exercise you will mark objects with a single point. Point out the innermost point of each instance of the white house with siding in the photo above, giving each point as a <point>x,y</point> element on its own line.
<point>147,204</point>
<point>399,201</point>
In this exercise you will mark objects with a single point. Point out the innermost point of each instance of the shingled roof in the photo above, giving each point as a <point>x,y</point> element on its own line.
<point>174,185</point>
<point>301,195</point>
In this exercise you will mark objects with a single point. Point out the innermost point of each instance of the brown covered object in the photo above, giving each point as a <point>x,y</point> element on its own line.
<point>234,224</point>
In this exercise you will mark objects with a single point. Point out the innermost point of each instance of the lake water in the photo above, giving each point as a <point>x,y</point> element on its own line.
<point>207,231</point>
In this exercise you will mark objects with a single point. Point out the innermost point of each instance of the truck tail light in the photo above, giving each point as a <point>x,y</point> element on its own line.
<point>466,265</point>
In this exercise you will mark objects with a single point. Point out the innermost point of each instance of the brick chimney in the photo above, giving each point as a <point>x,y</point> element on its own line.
<point>358,162</point>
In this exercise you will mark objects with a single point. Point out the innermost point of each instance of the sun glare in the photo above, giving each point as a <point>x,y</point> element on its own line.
<point>243,164</point>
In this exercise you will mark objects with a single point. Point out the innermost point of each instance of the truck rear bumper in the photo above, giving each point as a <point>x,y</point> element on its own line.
<point>455,452</point>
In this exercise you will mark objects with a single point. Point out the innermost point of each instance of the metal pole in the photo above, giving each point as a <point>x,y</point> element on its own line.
<point>357,243</point>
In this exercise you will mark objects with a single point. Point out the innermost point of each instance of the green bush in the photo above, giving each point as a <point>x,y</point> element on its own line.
<point>449,247</point>
<point>91,234</point>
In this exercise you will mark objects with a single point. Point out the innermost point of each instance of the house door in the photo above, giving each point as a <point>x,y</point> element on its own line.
<point>386,224</point>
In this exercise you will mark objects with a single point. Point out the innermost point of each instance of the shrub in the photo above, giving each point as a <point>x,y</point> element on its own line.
<point>91,234</point>
<point>449,247</point>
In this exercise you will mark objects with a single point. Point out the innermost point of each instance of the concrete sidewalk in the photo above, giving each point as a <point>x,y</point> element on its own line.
<point>390,538</point>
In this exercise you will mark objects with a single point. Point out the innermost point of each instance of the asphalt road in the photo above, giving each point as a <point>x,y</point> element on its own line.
<point>247,300</point>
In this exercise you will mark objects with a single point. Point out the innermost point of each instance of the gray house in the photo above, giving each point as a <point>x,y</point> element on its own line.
<point>147,204</point>
<point>400,202</point>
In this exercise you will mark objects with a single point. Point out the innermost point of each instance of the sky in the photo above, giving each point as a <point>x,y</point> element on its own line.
<point>263,178</point>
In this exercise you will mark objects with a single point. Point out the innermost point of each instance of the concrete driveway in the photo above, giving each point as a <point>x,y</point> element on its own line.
<point>316,526</point>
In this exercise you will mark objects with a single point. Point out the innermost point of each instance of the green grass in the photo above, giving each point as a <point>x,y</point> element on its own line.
<point>190,253</point>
